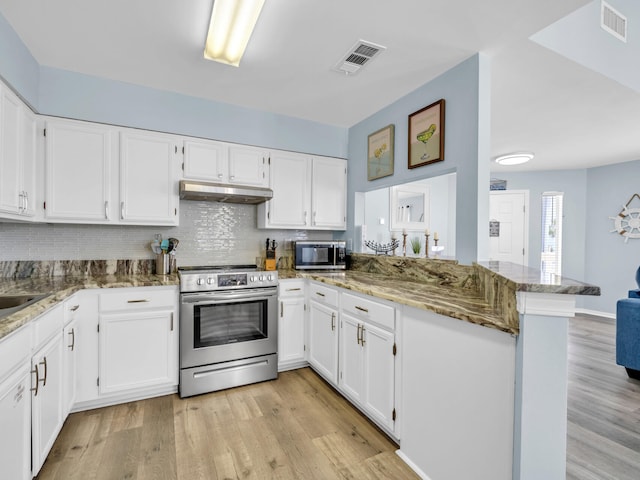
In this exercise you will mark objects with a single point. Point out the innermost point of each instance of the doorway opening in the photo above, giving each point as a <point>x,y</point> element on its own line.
<point>551,236</point>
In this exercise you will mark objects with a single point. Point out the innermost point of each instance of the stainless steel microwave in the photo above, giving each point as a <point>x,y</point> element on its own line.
<point>320,255</point>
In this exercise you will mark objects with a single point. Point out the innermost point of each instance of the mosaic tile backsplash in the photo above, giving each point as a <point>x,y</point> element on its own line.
<point>209,233</point>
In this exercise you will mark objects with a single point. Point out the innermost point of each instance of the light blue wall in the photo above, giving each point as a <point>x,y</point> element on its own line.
<point>83,97</point>
<point>465,89</point>
<point>18,68</point>
<point>610,262</point>
<point>573,183</point>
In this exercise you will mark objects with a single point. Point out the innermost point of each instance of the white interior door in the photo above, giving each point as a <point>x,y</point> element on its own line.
<point>508,226</point>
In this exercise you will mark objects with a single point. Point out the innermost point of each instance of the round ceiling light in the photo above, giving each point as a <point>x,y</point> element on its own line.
<point>514,158</point>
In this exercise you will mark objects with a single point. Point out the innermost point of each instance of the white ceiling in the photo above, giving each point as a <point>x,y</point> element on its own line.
<point>570,116</point>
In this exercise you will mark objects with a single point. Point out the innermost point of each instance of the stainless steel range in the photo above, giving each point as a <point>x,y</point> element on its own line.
<point>228,327</point>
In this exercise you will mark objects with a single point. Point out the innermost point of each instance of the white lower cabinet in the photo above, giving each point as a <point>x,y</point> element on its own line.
<point>15,405</point>
<point>138,339</point>
<point>291,331</point>
<point>47,386</point>
<point>323,340</point>
<point>368,357</point>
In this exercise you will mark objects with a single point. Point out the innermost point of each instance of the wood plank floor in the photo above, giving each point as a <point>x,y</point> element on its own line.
<point>298,427</point>
<point>603,430</point>
<point>295,427</point>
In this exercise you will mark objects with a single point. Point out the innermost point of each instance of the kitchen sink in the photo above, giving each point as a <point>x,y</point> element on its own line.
<point>10,304</point>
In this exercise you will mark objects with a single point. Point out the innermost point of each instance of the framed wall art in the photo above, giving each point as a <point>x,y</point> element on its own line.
<point>380,153</point>
<point>426,135</point>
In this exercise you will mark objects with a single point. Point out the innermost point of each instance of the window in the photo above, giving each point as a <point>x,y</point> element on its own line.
<point>551,235</point>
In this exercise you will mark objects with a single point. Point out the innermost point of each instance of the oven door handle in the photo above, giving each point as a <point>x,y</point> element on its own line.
<point>227,296</point>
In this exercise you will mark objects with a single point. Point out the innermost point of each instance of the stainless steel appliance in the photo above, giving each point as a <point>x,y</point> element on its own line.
<point>320,255</point>
<point>228,327</point>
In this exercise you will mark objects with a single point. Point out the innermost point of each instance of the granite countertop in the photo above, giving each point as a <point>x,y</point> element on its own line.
<point>463,304</point>
<point>59,288</point>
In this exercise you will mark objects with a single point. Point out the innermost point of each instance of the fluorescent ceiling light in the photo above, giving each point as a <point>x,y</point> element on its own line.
<point>514,158</point>
<point>231,26</point>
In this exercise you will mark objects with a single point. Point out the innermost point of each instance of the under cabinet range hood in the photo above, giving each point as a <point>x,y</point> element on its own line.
<point>216,192</point>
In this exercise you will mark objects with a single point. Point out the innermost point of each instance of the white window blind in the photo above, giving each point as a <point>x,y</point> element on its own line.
<point>551,235</point>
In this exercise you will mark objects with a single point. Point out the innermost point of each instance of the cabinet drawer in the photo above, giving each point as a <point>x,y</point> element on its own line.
<point>47,325</point>
<point>132,299</point>
<point>369,310</point>
<point>323,294</point>
<point>15,350</point>
<point>291,288</point>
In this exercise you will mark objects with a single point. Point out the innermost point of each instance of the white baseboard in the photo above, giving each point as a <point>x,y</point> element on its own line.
<point>283,367</point>
<point>596,313</point>
<point>412,465</point>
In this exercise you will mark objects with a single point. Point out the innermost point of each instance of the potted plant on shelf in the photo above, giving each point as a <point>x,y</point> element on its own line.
<point>416,246</point>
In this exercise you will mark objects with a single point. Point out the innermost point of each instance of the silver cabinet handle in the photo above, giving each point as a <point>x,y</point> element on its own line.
<point>362,342</point>
<point>314,217</point>
<point>26,201</point>
<point>333,321</point>
<point>281,309</point>
<point>141,300</point>
<point>219,175</point>
<point>172,321</point>
<point>362,309</point>
<point>21,201</point>
<point>106,209</point>
<point>73,339</point>
<point>232,177</point>
<point>44,363</point>
<point>358,338</point>
<point>293,289</point>
<point>74,308</point>
<point>122,210</point>
<point>321,294</point>
<point>35,389</point>
<point>305,217</point>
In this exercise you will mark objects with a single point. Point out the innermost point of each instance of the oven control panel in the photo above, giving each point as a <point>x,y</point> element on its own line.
<point>208,281</point>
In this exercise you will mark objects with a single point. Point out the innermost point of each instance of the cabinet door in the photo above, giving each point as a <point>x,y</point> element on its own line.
<point>69,361</point>
<point>10,164</point>
<point>247,166</point>
<point>290,179</point>
<point>323,340</point>
<point>148,179</point>
<point>351,357</point>
<point>86,344</point>
<point>137,350</point>
<point>28,156</point>
<point>15,418</point>
<point>379,374</point>
<point>46,410</point>
<point>329,194</point>
<point>78,158</point>
<point>206,160</point>
<point>291,330</point>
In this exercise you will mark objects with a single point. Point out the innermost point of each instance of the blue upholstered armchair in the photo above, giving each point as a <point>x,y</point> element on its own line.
<point>628,333</point>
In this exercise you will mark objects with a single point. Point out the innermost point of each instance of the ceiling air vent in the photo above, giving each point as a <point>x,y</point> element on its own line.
<point>357,57</point>
<point>613,22</point>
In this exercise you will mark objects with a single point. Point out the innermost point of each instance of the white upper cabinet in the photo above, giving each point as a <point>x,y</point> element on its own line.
<point>290,180</point>
<point>329,194</point>
<point>100,174</point>
<point>206,160</point>
<point>148,187</point>
<point>248,166</point>
<point>308,193</point>
<point>220,162</point>
<point>17,156</point>
<point>78,160</point>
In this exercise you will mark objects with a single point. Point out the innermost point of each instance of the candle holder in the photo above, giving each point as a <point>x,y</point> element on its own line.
<point>426,245</point>
<point>404,244</point>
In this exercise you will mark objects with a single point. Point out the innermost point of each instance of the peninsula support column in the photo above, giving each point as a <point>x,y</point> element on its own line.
<point>540,414</point>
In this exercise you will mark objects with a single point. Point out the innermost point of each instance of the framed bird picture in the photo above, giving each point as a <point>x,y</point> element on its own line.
<point>426,135</point>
